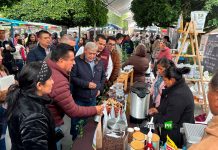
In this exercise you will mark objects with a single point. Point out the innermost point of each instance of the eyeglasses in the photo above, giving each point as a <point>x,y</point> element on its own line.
<point>111,44</point>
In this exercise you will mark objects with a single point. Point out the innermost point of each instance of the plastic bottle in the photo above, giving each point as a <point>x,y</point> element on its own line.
<point>149,145</point>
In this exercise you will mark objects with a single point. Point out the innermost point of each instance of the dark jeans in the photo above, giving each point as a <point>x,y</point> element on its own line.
<point>19,63</point>
<point>76,122</point>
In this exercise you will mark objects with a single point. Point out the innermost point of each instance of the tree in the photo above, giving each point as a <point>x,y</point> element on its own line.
<point>212,19</point>
<point>160,12</point>
<point>8,2</point>
<point>166,12</point>
<point>60,12</point>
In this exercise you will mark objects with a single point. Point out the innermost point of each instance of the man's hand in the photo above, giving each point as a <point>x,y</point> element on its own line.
<point>99,109</point>
<point>92,85</point>
<point>152,111</point>
<point>98,93</point>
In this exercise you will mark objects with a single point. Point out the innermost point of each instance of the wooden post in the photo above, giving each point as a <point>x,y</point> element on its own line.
<point>183,42</point>
<point>190,30</point>
<point>193,53</point>
<point>199,65</point>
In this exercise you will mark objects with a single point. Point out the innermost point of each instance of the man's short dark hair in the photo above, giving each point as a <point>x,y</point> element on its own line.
<point>119,35</point>
<point>100,36</point>
<point>25,35</point>
<point>112,38</point>
<point>43,32</point>
<point>61,51</point>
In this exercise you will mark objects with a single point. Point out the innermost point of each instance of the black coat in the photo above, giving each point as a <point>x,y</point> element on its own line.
<point>177,105</point>
<point>36,54</point>
<point>7,56</point>
<point>31,126</point>
<point>81,75</point>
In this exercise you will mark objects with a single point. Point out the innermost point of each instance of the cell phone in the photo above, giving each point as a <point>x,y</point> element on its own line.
<point>6,45</point>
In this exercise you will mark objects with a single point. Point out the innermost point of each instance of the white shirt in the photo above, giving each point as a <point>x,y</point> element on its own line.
<point>80,51</point>
<point>109,68</point>
<point>17,53</point>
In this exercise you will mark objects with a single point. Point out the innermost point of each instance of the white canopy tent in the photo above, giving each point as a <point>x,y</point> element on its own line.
<point>121,7</point>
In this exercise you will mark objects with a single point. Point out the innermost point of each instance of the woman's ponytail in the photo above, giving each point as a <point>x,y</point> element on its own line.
<point>183,70</point>
<point>174,72</point>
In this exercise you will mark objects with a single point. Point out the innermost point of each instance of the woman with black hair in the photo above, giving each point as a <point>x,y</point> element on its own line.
<point>176,107</point>
<point>31,42</point>
<point>158,84</point>
<point>166,40</point>
<point>29,121</point>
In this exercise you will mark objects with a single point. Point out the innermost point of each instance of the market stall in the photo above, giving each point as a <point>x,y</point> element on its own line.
<point>30,27</point>
<point>115,130</point>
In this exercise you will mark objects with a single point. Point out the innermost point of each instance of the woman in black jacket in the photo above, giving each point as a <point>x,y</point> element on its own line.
<point>176,107</point>
<point>30,123</point>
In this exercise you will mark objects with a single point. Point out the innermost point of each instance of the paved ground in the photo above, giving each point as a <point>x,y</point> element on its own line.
<point>66,141</point>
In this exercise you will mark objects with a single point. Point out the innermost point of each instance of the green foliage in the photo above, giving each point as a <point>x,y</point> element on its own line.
<point>79,128</point>
<point>212,7</point>
<point>165,13</point>
<point>60,12</point>
<point>159,12</point>
<point>125,56</point>
<point>8,2</point>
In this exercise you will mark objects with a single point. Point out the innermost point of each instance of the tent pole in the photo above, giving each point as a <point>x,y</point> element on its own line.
<point>12,31</point>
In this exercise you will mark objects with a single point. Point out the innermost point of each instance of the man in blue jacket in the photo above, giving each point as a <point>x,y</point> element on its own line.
<point>87,78</point>
<point>42,49</point>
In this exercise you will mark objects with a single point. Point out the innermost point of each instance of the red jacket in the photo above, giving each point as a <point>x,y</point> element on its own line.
<point>63,102</point>
<point>165,53</point>
<point>104,55</point>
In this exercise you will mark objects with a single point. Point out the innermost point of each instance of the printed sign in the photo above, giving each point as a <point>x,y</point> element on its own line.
<point>199,18</point>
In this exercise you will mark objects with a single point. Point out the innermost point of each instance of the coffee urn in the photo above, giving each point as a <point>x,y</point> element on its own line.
<point>139,105</point>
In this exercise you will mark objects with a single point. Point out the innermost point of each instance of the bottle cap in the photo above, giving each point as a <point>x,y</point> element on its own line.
<point>130,130</point>
<point>136,128</point>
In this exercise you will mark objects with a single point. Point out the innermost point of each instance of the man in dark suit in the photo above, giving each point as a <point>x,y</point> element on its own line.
<point>42,49</point>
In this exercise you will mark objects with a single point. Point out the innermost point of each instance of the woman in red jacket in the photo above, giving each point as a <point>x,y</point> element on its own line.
<point>164,51</point>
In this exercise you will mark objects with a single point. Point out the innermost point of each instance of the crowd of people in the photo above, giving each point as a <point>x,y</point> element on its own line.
<point>64,76</point>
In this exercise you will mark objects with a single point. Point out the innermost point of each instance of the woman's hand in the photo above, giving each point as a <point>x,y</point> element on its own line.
<point>152,111</point>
